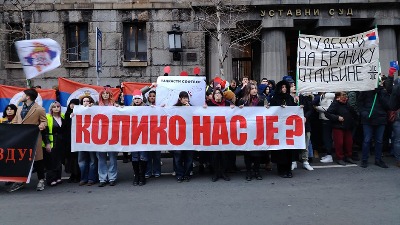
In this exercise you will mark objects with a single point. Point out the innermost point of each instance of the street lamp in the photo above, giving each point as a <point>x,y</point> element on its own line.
<point>175,42</point>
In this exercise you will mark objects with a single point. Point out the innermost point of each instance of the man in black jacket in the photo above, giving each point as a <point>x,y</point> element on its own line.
<point>394,105</point>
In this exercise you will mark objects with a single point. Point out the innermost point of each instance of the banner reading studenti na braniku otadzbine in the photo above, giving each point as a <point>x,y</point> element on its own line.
<point>330,64</point>
<point>146,128</point>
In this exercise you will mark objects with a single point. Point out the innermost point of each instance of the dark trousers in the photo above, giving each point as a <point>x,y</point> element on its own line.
<point>39,167</point>
<point>252,158</point>
<point>343,140</point>
<point>219,162</point>
<point>53,164</point>
<point>183,161</point>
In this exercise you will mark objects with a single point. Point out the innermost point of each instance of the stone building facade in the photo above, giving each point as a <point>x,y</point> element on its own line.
<point>135,40</point>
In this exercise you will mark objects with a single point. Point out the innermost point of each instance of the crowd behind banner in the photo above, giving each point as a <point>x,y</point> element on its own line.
<point>333,124</point>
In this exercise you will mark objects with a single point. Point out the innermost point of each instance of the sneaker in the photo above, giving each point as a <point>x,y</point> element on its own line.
<point>307,166</point>
<point>157,175</point>
<point>364,164</point>
<point>326,159</point>
<point>341,162</point>
<point>102,184</point>
<point>381,164</point>
<point>294,165</point>
<point>174,173</point>
<point>16,186</point>
<point>147,176</point>
<point>179,179</point>
<point>40,185</point>
<point>191,173</point>
<point>112,183</point>
<point>349,160</point>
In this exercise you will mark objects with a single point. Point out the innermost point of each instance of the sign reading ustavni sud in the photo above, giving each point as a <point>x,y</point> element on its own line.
<point>330,64</point>
<point>38,56</point>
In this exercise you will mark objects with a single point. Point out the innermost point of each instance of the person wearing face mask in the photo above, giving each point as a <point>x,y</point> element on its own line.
<point>342,116</point>
<point>53,144</point>
<point>9,113</point>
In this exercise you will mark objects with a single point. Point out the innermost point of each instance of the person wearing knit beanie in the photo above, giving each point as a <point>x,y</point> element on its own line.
<point>230,96</point>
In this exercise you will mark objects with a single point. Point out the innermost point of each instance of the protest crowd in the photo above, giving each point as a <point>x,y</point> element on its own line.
<point>337,125</point>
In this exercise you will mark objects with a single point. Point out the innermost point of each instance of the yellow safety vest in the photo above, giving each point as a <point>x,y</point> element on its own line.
<point>50,125</point>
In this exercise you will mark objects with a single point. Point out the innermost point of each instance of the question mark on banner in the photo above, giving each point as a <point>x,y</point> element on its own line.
<point>297,122</point>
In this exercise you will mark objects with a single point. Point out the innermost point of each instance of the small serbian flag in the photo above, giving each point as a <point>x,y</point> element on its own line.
<point>38,56</point>
<point>371,36</point>
<point>71,89</point>
<point>129,87</point>
<point>11,95</point>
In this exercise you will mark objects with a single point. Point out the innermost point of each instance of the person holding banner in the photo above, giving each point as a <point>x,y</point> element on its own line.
<point>343,118</point>
<point>251,98</point>
<point>139,158</point>
<point>71,158</point>
<point>87,160</point>
<point>183,160</point>
<point>283,158</point>
<point>32,113</point>
<point>53,144</point>
<point>107,173</point>
<point>153,157</point>
<point>219,158</point>
<point>9,113</point>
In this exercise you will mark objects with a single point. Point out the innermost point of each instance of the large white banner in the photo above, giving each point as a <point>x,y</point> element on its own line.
<point>146,128</point>
<point>38,56</point>
<point>169,87</point>
<point>330,64</point>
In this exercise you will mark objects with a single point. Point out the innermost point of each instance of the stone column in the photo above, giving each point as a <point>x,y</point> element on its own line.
<point>214,60</point>
<point>273,54</point>
<point>387,47</point>
<point>328,32</point>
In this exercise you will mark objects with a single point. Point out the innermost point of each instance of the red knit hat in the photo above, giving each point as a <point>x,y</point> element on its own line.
<point>137,94</point>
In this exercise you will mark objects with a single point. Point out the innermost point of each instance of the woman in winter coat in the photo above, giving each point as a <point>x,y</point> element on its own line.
<point>71,158</point>
<point>283,158</point>
<point>251,98</point>
<point>219,159</point>
<point>139,158</point>
<point>343,118</point>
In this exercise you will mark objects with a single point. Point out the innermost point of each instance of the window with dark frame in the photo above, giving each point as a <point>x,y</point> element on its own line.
<point>135,41</point>
<point>15,33</point>
<point>77,42</point>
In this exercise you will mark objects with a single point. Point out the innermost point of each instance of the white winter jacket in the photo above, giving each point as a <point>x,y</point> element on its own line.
<point>324,103</point>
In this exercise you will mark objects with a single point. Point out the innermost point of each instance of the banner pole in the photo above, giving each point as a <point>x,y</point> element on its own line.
<point>377,83</point>
<point>297,73</point>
